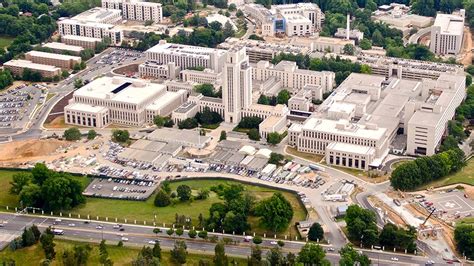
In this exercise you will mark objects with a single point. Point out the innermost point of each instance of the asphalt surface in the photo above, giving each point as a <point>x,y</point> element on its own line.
<point>138,235</point>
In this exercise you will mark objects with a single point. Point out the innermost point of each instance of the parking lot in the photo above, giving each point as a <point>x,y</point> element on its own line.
<point>450,204</point>
<point>17,104</point>
<point>119,188</point>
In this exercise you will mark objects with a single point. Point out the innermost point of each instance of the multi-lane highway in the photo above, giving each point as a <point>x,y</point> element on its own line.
<point>138,235</point>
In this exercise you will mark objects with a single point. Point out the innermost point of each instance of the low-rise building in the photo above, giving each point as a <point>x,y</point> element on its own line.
<point>136,9</point>
<point>291,76</point>
<point>207,76</point>
<point>61,47</point>
<point>125,101</point>
<point>272,124</point>
<point>153,69</point>
<point>17,66</point>
<point>58,60</point>
<point>82,41</point>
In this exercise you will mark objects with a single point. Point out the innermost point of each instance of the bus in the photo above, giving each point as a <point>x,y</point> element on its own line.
<point>58,232</point>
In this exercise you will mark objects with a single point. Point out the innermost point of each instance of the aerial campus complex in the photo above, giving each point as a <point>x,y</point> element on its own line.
<point>133,93</point>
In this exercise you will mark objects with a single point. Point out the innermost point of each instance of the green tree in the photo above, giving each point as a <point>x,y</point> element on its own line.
<point>184,192</point>
<point>316,232</point>
<point>275,213</point>
<point>263,100</point>
<point>275,257</point>
<point>312,254</point>
<point>78,83</point>
<point>159,121</point>
<point>192,233</point>
<point>470,70</point>
<point>464,237</point>
<point>248,122</point>
<point>449,143</point>
<point>349,49</point>
<point>423,7</point>
<point>202,234</point>
<point>253,134</point>
<point>365,44</point>
<point>91,134</point>
<point>188,123</point>
<point>47,244</point>
<point>255,256</point>
<point>30,195</point>
<point>19,181</point>
<point>28,238</point>
<point>228,30</point>
<point>72,134</point>
<point>205,89</point>
<point>179,252</point>
<point>120,136</point>
<point>40,173</point>
<point>36,232</point>
<point>283,97</point>
<point>157,250</point>
<point>274,138</point>
<point>220,258</point>
<point>232,7</point>
<point>360,224</point>
<point>162,199</point>
<point>81,253</point>
<point>276,158</point>
<point>223,136</point>
<point>350,257</point>
<point>239,13</point>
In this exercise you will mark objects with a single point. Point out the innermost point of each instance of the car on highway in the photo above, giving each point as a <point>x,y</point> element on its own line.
<point>124,238</point>
<point>248,239</point>
<point>331,249</point>
<point>117,226</point>
<point>394,258</point>
<point>122,229</point>
<point>274,243</point>
<point>71,225</point>
<point>152,242</point>
<point>99,227</point>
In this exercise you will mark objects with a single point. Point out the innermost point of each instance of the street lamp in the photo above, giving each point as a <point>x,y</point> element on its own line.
<point>361,238</point>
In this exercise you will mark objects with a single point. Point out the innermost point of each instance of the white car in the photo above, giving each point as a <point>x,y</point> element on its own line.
<point>116,226</point>
<point>274,243</point>
<point>394,259</point>
<point>152,242</point>
<point>331,249</point>
<point>99,227</point>
<point>124,239</point>
<point>71,225</point>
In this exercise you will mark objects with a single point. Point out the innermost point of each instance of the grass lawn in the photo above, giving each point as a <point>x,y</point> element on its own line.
<point>5,41</point>
<point>241,130</point>
<point>49,96</point>
<point>119,255</point>
<point>308,156</point>
<point>145,210</point>
<point>466,175</point>
<point>468,220</point>
<point>211,126</point>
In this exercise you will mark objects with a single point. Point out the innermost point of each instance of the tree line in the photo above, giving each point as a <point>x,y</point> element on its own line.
<point>362,229</point>
<point>47,189</point>
<point>421,171</point>
<point>464,237</point>
<point>6,79</point>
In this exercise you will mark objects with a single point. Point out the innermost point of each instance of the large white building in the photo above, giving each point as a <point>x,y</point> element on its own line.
<point>447,34</point>
<point>136,9</point>
<point>118,100</point>
<point>184,56</point>
<point>356,125</point>
<point>302,19</point>
<point>291,76</point>
<point>93,23</point>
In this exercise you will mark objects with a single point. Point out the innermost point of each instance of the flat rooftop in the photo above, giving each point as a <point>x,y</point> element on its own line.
<point>184,50</point>
<point>165,99</point>
<point>80,38</point>
<point>28,64</point>
<point>63,46</point>
<point>86,23</point>
<point>97,14</point>
<point>127,90</point>
<point>53,55</point>
<point>147,145</point>
<point>182,136</point>
<point>450,24</point>
<point>350,148</point>
<point>296,18</point>
<point>350,129</point>
<point>81,107</point>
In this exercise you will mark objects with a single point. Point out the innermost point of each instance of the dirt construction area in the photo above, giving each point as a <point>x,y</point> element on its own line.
<point>18,152</point>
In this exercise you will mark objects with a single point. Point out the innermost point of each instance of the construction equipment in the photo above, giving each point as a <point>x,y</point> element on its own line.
<point>434,209</point>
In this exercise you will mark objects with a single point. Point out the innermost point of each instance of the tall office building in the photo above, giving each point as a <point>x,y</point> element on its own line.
<point>447,34</point>
<point>237,85</point>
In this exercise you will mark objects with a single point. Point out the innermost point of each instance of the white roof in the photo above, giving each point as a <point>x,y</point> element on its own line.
<point>81,107</point>
<point>30,65</point>
<point>263,153</point>
<point>350,148</point>
<point>450,24</point>
<point>80,38</point>
<point>249,150</point>
<point>63,46</point>
<point>98,14</point>
<point>351,129</point>
<point>164,100</point>
<point>184,50</point>
<point>221,19</point>
<point>134,91</point>
<point>53,55</point>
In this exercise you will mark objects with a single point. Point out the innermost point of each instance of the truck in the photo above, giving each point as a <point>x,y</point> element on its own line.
<point>316,168</point>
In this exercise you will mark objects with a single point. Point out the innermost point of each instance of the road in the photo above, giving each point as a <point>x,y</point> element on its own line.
<point>138,235</point>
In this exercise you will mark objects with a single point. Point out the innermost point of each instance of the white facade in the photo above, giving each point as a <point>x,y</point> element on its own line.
<point>291,76</point>
<point>165,105</point>
<point>310,11</point>
<point>160,71</point>
<point>125,101</point>
<point>272,124</point>
<point>90,29</point>
<point>186,56</point>
<point>206,76</point>
<point>136,10</point>
<point>447,34</point>
<point>355,126</point>
<point>237,85</point>
<point>297,25</point>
